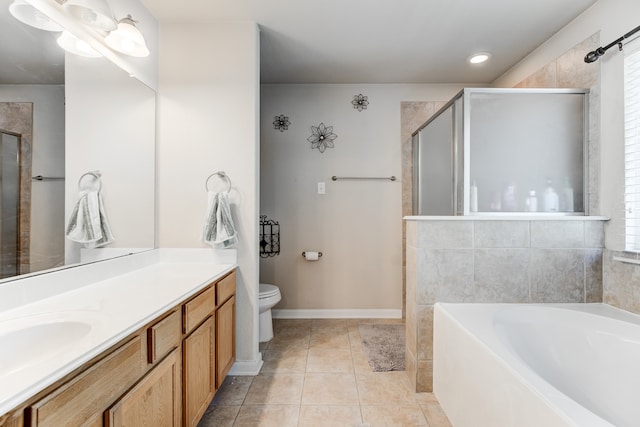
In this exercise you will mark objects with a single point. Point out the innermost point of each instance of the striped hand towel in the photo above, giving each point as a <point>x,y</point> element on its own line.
<point>218,230</point>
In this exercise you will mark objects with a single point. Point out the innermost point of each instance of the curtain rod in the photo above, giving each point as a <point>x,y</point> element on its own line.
<point>594,55</point>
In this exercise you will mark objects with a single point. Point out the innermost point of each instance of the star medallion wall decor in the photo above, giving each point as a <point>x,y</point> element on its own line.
<point>322,137</point>
<point>281,123</point>
<point>360,102</point>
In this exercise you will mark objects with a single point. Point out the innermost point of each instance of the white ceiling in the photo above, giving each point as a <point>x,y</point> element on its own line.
<point>339,41</point>
<point>384,41</point>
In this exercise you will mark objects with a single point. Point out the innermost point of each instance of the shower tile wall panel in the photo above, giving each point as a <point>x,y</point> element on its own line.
<point>557,234</point>
<point>501,275</point>
<point>594,262</point>
<point>411,322</point>
<point>494,261</point>
<point>620,282</point>
<point>501,234</point>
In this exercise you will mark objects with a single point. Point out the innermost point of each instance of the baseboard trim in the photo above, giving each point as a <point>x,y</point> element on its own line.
<point>243,368</point>
<point>336,314</point>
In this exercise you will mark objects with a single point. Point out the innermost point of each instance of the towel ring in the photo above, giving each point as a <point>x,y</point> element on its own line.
<point>96,176</point>
<point>221,174</point>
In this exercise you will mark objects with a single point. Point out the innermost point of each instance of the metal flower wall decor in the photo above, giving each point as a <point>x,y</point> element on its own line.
<point>281,123</point>
<point>360,102</point>
<point>322,137</point>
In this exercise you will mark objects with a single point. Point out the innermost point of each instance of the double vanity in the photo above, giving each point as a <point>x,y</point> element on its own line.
<point>145,339</point>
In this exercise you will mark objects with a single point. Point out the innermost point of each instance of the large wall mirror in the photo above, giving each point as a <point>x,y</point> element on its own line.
<point>60,119</point>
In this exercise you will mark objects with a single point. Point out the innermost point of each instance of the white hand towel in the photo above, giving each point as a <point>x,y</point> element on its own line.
<point>88,222</point>
<point>107,236</point>
<point>218,230</point>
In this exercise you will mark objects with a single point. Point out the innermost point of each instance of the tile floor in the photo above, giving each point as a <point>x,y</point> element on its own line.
<point>316,374</point>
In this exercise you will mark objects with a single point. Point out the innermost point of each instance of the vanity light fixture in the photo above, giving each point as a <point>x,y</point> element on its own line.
<point>93,13</point>
<point>88,18</point>
<point>27,14</point>
<point>73,44</point>
<point>127,39</point>
<point>479,58</point>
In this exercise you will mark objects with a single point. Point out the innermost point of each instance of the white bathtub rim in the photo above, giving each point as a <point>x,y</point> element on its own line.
<point>568,409</point>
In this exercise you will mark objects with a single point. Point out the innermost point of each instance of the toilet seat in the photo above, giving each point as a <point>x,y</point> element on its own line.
<point>267,291</point>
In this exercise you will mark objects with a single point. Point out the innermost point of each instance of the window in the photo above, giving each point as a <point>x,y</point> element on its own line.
<point>632,150</point>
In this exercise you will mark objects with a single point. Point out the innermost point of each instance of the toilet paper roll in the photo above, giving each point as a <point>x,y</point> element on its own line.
<point>311,255</point>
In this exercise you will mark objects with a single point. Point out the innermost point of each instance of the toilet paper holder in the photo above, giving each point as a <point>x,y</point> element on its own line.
<point>304,254</point>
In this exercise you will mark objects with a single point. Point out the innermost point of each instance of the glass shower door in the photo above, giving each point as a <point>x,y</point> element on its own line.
<point>9,203</point>
<point>433,154</point>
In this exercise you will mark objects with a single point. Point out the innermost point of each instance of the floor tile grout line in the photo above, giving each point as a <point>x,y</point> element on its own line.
<point>355,378</point>
<point>304,376</point>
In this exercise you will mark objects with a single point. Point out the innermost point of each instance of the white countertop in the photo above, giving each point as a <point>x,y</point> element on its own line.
<point>89,319</point>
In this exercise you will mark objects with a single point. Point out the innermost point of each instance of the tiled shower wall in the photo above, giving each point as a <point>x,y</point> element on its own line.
<point>620,281</point>
<point>467,259</point>
<point>17,117</point>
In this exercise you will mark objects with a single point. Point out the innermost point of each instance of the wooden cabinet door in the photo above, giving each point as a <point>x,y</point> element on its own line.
<point>12,420</point>
<point>225,339</point>
<point>198,360</point>
<point>154,401</point>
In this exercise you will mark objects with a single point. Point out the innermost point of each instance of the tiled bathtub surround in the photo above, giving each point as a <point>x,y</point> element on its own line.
<point>480,259</point>
<point>620,281</point>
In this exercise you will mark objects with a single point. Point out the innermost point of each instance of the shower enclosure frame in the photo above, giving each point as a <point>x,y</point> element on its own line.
<point>460,149</point>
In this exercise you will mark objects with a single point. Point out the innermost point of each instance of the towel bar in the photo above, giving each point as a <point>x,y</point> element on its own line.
<point>47,178</point>
<point>389,178</point>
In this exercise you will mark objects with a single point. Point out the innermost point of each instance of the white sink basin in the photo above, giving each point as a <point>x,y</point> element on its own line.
<point>27,341</point>
<point>33,343</point>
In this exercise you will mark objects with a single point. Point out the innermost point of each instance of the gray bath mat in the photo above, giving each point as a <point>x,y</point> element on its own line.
<point>384,346</point>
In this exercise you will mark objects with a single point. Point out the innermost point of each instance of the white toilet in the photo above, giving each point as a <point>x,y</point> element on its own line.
<point>269,295</point>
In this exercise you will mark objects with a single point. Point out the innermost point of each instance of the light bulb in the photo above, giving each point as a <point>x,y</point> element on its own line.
<point>74,45</point>
<point>479,58</point>
<point>127,39</point>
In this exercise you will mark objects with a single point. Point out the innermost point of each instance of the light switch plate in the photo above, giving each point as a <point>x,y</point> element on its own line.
<point>321,188</point>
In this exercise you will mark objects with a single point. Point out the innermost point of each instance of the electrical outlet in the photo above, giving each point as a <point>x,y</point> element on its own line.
<point>321,188</point>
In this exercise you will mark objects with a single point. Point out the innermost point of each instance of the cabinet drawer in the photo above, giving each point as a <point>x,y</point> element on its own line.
<point>163,337</point>
<point>196,310</point>
<point>225,288</point>
<point>85,397</point>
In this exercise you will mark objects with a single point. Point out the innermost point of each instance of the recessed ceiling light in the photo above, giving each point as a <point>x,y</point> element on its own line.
<point>479,58</point>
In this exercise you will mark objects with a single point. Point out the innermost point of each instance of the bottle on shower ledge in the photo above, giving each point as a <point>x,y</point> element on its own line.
<point>532,202</point>
<point>550,199</point>
<point>566,196</point>
<point>510,198</point>
<point>496,201</point>
<point>473,198</point>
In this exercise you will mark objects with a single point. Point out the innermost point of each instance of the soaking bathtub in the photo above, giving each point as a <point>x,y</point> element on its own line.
<point>530,365</point>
